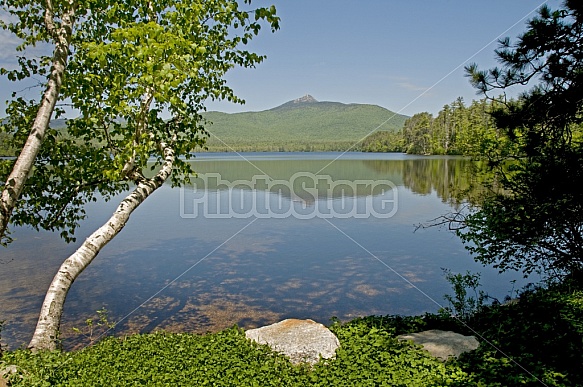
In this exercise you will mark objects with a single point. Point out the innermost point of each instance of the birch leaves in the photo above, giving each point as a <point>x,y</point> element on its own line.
<point>134,66</point>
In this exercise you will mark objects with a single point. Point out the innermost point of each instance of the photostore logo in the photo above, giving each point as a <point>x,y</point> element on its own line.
<point>304,196</point>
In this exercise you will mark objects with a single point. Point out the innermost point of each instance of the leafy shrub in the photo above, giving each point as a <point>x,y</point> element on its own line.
<point>94,329</point>
<point>467,299</point>
<point>537,339</point>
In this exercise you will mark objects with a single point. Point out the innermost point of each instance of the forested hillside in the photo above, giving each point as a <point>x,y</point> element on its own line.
<point>457,130</point>
<point>303,124</point>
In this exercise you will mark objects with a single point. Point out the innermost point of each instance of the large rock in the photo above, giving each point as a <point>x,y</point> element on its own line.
<point>303,341</point>
<point>443,344</point>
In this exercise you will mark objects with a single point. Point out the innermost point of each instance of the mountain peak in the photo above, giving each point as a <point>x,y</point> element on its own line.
<point>305,99</point>
<point>297,103</point>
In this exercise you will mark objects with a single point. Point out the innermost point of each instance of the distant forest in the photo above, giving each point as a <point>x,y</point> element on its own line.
<point>456,130</point>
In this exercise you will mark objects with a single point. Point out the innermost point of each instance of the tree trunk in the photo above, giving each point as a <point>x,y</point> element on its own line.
<point>15,182</point>
<point>47,328</point>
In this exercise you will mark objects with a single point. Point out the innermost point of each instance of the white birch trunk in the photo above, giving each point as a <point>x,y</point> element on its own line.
<point>47,328</point>
<point>15,181</point>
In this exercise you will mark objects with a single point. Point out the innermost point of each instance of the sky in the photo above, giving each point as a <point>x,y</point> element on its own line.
<point>405,55</point>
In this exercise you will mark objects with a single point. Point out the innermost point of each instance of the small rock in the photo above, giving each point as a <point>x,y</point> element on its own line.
<point>5,373</point>
<point>303,341</point>
<point>443,344</point>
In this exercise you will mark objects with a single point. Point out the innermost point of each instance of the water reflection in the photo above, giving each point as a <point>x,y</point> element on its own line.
<point>196,274</point>
<point>449,177</point>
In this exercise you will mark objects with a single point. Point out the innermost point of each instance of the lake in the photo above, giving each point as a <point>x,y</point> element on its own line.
<point>257,238</point>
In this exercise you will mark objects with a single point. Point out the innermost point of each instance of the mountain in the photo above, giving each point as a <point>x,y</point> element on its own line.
<point>301,124</point>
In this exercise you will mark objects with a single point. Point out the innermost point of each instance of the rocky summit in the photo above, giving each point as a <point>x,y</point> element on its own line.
<point>305,99</point>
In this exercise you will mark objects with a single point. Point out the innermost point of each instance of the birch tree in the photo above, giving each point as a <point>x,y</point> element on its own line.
<point>139,79</point>
<point>33,22</point>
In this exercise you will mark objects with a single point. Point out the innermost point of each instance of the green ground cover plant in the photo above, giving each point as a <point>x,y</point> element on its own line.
<point>535,340</point>
<point>368,357</point>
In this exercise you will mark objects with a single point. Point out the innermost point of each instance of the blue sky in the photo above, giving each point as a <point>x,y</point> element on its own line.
<point>407,56</point>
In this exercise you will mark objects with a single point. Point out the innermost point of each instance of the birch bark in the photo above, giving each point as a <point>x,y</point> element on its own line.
<point>47,328</point>
<point>15,182</point>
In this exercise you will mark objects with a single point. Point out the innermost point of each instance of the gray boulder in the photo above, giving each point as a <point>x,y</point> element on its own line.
<point>442,344</point>
<point>303,341</point>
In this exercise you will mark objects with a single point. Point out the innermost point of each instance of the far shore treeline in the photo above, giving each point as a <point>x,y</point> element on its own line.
<point>458,129</point>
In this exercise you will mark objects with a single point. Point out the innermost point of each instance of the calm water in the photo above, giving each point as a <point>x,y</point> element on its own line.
<point>292,250</point>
